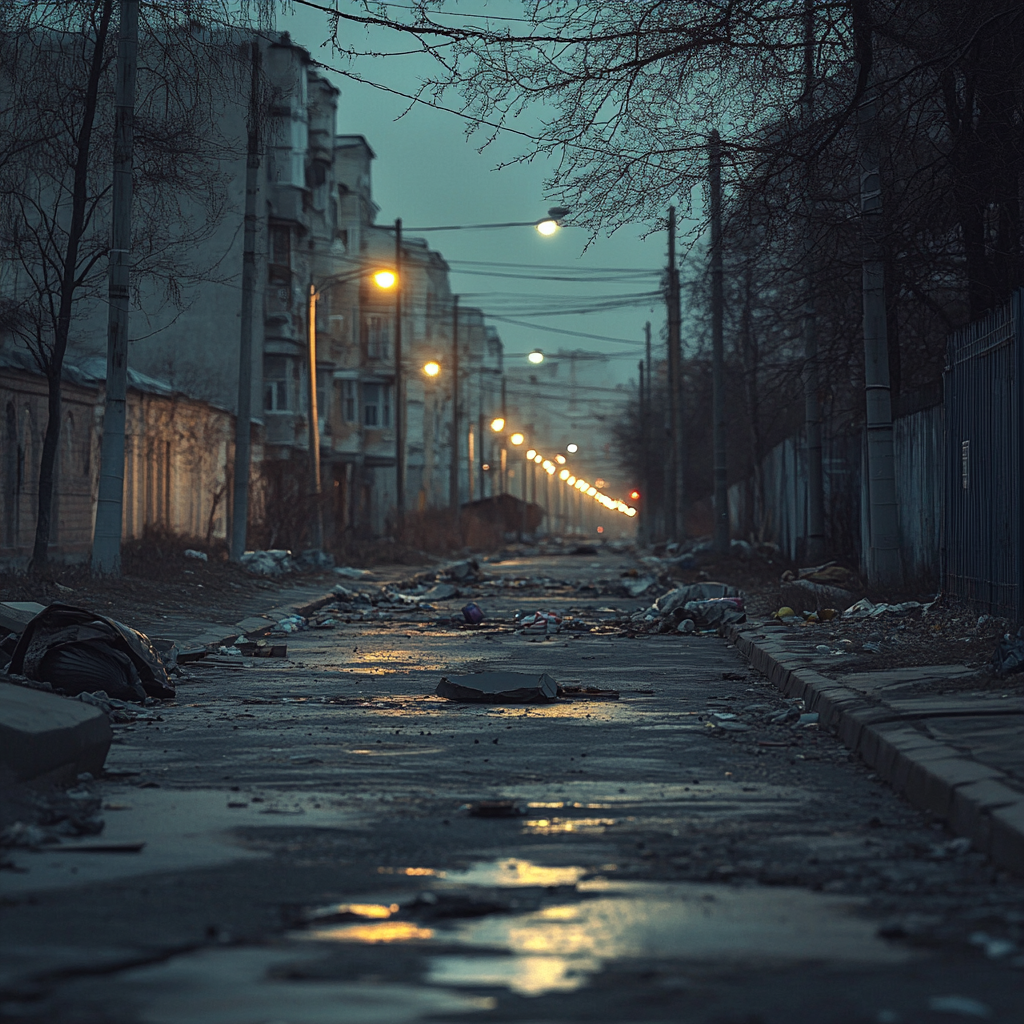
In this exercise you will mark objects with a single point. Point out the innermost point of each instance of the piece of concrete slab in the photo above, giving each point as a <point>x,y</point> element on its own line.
<point>16,615</point>
<point>41,732</point>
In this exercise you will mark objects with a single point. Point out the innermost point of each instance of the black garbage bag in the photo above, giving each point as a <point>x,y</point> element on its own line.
<point>78,651</point>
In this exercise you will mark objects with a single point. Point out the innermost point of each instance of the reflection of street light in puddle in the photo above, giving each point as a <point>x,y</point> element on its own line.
<point>432,369</point>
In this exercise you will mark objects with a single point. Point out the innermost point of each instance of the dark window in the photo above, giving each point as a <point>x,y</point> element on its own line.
<point>348,401</point>
<point>377,405</point>
<point>275,384</point>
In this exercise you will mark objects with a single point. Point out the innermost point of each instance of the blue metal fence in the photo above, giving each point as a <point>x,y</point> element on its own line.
<point>983,542</point>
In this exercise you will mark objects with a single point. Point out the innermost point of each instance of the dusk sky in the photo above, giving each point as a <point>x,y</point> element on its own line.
<point>427,173</point>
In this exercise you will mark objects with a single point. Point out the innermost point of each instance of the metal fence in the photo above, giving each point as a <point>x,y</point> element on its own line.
<point>984,546</point>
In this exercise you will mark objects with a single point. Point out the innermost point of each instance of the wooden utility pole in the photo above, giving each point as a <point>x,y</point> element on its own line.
<point>316,490</point>
<point>453,472</point>
<point>721,521</point>
<point>673,468</point>
<point>643,527</point>
<point>812,405</point>
<point>399,397</point>
<point>106,545</point>
<point>243,418</point>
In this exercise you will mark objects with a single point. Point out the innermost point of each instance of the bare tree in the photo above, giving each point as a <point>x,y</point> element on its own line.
<point>56,84</point>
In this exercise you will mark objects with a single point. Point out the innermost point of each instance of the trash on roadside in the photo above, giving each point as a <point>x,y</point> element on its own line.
<point>499,688</point>
<point>806,595</point>
<point>808,718</point>
<point>275,562</point>
<point>495,809</point>
<point>199,555</point>
<point>79,651</point>
<point>352,574</point>
<point>463,572</point>
<point>292,624</point>
<point>261,649</point>
<point>473,613</point>
<point>686,626</point>
<point>865,609</point>
<point>541,622</point>
<point>441,592</point>
<point>314,558</point>
<point>1008,656</point>
<point>636,587</point>
<point>716,611</point>
<point>678,597</point>
<point>785,613</point>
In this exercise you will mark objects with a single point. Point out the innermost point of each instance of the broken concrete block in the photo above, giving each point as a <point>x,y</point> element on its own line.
<point>499,688</point>
<point>16,615</point>
<point>41,732</point>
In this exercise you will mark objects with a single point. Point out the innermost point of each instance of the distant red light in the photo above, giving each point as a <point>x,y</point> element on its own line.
<point>600,529</point>
<point>634,495</point>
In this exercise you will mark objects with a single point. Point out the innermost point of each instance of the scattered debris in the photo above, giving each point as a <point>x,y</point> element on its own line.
<point>499,688</point>
<point>200,556</point>
<point>1008,656</point>
<point>275,562</point>
<point>473,613</point>
<point>79,651</point>
<point>540,622</point>
<point>292,624</point>
<point>352,574</point>
<point>261,649</point>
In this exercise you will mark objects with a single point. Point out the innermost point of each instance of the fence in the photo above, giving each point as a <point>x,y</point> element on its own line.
<point>780,510</point>
<point>983,448</point>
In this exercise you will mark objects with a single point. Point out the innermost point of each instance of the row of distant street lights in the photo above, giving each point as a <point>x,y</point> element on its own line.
<point>558,466</point>
<point>390,280</point>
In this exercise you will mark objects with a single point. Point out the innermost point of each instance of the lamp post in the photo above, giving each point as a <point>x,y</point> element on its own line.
<point>383,279</point>
<point>399,389</point>
<point>453,472</point>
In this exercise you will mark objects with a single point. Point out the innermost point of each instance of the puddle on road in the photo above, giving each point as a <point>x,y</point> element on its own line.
<point>558,947</point>
<point>560,826</point>
<point>238,986</point>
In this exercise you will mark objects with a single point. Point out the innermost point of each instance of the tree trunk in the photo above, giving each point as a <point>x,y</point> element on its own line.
<point>68,284</point>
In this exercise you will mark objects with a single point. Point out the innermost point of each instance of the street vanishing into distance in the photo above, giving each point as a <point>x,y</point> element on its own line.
<point>326,840</point>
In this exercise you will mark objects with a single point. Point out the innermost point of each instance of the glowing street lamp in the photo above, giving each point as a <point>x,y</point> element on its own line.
<point>497,425</point>
<point>385,279</point>
<point>432,369</point>
<point>536,357</point>
<point>531,453</point>
<point>517,438</point>
<point>572,449</point>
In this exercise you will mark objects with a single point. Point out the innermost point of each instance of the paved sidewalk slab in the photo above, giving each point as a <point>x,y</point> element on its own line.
<point>41,732</point>
<point>959,756</point>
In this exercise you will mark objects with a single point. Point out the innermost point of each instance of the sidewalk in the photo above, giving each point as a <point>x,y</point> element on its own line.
<point>958,755</point>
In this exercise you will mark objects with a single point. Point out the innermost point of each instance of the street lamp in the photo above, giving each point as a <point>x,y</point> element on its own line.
<point>572,449</point>
<point>497,425</point>
<point>432,369</point>
<point>517,439</point>
<point>536,357</point>
<point>383,279</point>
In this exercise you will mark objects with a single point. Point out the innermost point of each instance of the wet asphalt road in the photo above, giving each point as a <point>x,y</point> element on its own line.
<point>310,857</point>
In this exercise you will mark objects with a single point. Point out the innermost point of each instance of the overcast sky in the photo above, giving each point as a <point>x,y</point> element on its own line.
<point>428,174</point>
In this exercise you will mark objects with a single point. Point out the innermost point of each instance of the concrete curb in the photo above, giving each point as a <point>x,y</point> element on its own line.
<point>975,800</point>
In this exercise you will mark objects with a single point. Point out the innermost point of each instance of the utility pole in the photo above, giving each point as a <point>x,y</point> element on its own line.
<point>674,470</point>
<point>453,473</point>
<point>317,536</point>
<point>643,528</point>
<point>721,532</point>
<point>399,388</point>
<point>812,406</point>
<point>106,544</point>
<point>652,529</point>
<point>504,430</point>
<point>884,565</point>
<point>243,418</point>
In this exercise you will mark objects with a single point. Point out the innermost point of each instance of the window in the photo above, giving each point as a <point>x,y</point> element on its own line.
<point>348,401</point>
<point>275,384</point>
<point>378,338</point>
<point>377,405</point>
<point>281,245</point>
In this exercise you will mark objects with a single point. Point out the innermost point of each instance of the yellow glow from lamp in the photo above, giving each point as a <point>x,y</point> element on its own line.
<point>591,491</point>
<point>560,459</point>
<point>385,279</point>
<point>517,438</point>
<point>536,357</point>
<point>432,369</point>
<point>564,475</point>
<point>497,424</point>
<point>572,449</point>
<point>547,227</point>
<point>530,453</point>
